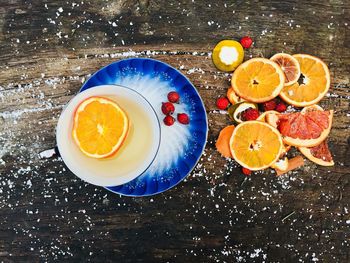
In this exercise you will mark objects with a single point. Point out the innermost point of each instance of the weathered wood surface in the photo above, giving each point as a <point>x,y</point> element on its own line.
<point>216,215</point>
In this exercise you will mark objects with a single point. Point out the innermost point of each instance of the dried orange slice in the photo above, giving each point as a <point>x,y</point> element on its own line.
<point>223,142</point>
<point>314,82</point>
<point>290,67</point>
<point>255,145</point>
<point>306,129</point>
<point>319,154</point>
<point>232,96</point>
<point>100,127</point>
<point>258,80</point>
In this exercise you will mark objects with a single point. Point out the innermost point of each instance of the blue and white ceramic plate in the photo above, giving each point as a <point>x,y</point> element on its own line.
<point>181,145</point>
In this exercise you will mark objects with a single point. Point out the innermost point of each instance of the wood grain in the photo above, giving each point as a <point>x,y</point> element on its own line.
<point>216,214</point>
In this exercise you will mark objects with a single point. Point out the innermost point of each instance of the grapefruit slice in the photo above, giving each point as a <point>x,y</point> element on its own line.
<point>255,145</point>
<point>319,154</point>
<point>290,67</point>
<point>223,142</point>
<point>305,129</point>
<point>311,86</point>
<point>100,127</point>
<point>258,80</point>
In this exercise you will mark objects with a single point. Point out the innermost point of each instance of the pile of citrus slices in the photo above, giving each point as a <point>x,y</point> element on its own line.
<point>262,130</point>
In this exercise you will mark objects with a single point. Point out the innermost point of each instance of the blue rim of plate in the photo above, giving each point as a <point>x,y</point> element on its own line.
<point>152,78</point>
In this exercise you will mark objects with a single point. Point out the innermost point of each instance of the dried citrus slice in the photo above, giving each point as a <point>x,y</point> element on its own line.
<point>258,80</point>
<point>290,67</point>
<point>223,142</point>
<point>232,96</point>
<point>227,55</point>
<point>255,145</point>
<point>281,164</point>
<point>314,82</point>
<point>100,127</point>
<point>319,154</point>
<point>306,129</point>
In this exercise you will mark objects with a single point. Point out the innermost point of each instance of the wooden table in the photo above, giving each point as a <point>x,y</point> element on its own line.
<point>49,48</point>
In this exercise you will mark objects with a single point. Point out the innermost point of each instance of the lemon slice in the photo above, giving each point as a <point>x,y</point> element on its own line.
<point>227,55</point>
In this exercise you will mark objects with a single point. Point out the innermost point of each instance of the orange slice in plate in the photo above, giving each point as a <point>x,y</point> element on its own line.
<point>313,84</point>
<point>255,145</point>
<point>100,127</point>
<point>258,80</point>
<point>290,67</point>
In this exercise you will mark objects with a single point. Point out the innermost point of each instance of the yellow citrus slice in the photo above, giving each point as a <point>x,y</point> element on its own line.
<point>100,127</point>
<point>258,80</point>
<point>227,55</point>
<point>290,67</point>
<point>314,82</point>
<point>255,145</point>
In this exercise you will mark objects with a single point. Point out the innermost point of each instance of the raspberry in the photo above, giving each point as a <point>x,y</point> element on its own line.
<point>250,114</point>
<point>168,120</point>
<point>183,118</point>
<point>281,107</point>
<point>246,171</point>
<point>173,97</point>
<point>168,108</point>
<point>269,105</point>
<point>246,42</point>
<point>222,103</point>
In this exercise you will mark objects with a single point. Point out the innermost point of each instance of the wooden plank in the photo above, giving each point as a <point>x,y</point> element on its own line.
<point>217,214</point>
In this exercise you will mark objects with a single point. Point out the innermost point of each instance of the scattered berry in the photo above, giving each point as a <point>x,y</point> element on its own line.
<point>168,108</point>
<point>246,171</point>
<point>246,42</point>
<point>222,103</point>
<point>269,105</point>
<point>173,97</point>
<point>169,120</point>
<point>281,107</point>
<point>250,114</point>
<point>183,118</point>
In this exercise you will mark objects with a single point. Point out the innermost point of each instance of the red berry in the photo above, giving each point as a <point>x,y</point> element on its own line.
<point>250,114</point>
<point>246,171</point>
<point>168,108</point>
<point>246,42</point>
<point>269,105</point>
<point>183,118</point>
<point>222,103</point>
<point>173,97</point>
<point>281,107</point>
<point>169,120</point>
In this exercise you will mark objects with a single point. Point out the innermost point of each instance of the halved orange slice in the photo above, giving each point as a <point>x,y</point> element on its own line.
<point>223,142</point>
<point>258,80</point>
<point>100,127</point>
<point>290,67</point>
<point>255,145</point>
<point>311,86</point>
